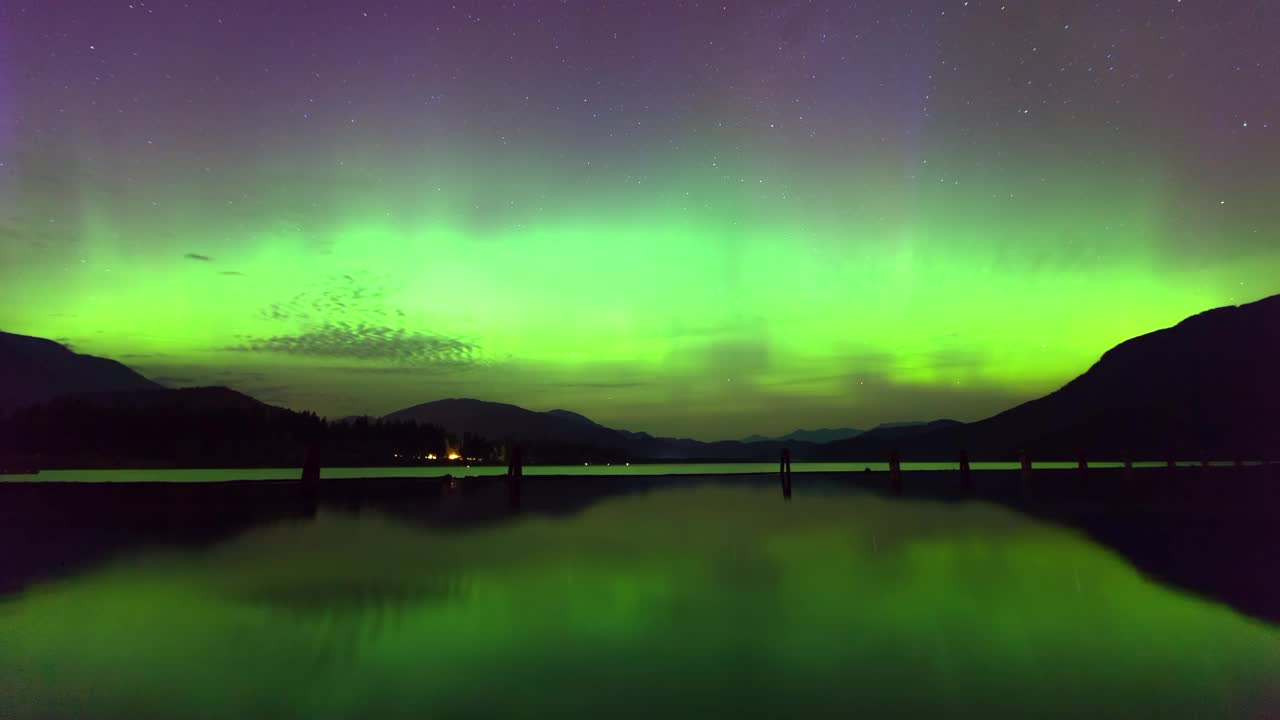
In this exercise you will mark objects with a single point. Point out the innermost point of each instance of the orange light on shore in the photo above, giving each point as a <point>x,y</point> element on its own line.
<point>431,456</point>
<point>454,456</point>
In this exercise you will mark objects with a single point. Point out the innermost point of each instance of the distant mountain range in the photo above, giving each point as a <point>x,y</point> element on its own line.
<point>500,421</point>
<point>1208,385</point>
<point>828,435</point>
<point>822,435</point>
<point>561,431</point>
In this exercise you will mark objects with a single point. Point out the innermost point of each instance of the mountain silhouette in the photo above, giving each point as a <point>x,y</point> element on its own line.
<point>576,417</point>
<point>193,399</point>
<point>901,425</point>
<point>36,370</point>
<point>1206,387</point>
<point>819,436</point>
<point>556,431</point>
<point>829,435</point>
<point>502,422</point>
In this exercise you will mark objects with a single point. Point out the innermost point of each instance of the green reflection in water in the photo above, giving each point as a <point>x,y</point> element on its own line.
<point>681,601</point>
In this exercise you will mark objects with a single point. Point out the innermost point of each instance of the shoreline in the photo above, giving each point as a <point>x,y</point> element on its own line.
<point>203,475</point>
<point>45,504</point>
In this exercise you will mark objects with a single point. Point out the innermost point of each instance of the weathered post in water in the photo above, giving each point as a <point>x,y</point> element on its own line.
<point>784,472</point>
<point>311,477</point>
<point>1082,463</point>
<point>966,480</point>
<point>515,471</point>
<point>1024,460</point>
<point>1128,466</point>
<point>311,466</point>
<point>895,471</point>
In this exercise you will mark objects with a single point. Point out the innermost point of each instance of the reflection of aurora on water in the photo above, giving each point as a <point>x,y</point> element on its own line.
<point>668,601</point>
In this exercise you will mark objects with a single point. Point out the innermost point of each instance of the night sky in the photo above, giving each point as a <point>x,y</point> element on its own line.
<point>704,219</point>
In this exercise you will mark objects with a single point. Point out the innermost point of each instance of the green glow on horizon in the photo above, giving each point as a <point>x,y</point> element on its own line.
<point>756,295</point>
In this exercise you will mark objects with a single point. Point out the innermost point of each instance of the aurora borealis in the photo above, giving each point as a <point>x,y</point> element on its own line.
<point>703,219</point>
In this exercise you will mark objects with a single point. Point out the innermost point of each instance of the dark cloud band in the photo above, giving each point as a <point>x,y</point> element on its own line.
<point>364,342</point>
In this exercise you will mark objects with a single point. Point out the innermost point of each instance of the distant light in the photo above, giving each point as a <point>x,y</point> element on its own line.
<point>431,456</point>
<point>454,456</point>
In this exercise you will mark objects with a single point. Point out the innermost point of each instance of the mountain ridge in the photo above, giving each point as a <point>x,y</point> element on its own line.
<point>38,370</point>
<point>1204,386</point>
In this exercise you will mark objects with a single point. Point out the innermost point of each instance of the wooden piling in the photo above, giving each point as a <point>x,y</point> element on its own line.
<point>311,466</point>
<point>1082,464</point>
<point>966,479</point>
<point>515,471</point>
<point>311,479</point>
<point>1024,460</point>
<point>784,472</point>
<point>1128,466</point>
<point>895,471</point>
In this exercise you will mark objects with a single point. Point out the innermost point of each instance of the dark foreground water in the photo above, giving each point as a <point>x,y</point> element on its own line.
<point>685,601</point>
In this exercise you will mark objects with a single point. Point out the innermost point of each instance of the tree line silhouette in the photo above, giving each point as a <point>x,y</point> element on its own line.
<point>105,432</point>
<point>74,433</point>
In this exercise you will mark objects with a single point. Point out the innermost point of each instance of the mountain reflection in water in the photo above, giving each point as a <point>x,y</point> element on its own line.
<point>676,601</point>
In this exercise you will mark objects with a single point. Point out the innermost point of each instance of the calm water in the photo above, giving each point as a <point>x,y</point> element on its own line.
<point>683,601</point>
<point>217,474</point>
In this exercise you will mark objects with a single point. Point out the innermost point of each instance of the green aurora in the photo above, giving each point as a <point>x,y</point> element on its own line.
<point>760,301</point>
<point>782,219</point>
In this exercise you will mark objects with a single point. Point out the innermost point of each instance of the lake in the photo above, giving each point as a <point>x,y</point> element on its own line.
<point>636,469</point>
<point>690,600</point>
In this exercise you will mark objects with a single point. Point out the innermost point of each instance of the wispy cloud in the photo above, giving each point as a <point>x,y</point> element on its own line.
<point>367,342</point>
<point>198,256</point>
<point>346,317</point>
<point>354,297</point>
<point>231,272</point>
